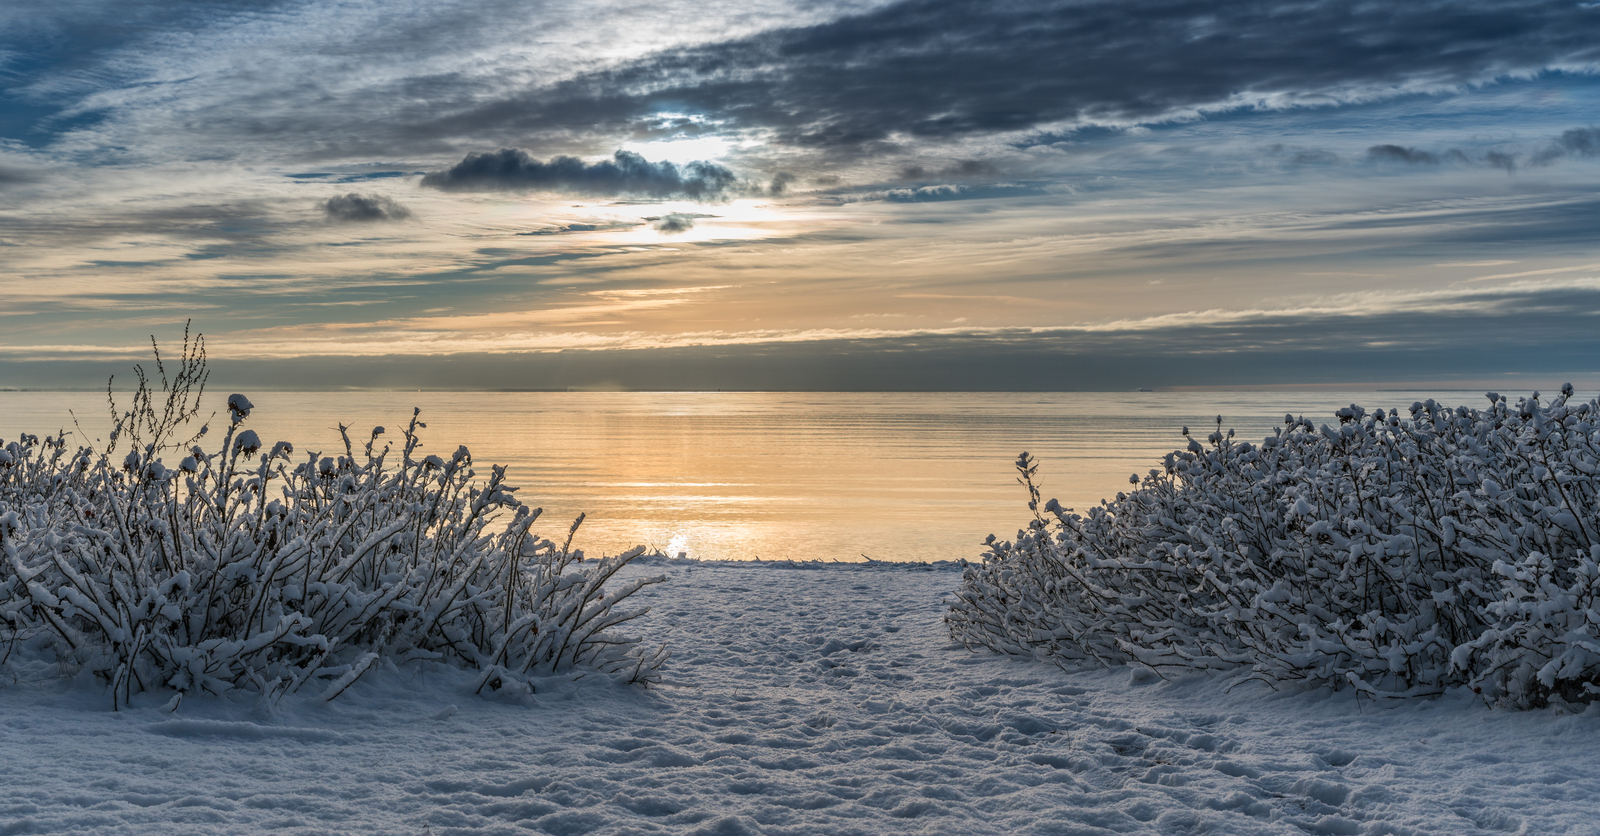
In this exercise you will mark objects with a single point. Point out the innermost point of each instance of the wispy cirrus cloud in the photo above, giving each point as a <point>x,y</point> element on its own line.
<point>949,191</point>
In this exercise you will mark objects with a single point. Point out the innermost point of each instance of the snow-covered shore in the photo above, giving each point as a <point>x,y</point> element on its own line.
<point>823,699</point>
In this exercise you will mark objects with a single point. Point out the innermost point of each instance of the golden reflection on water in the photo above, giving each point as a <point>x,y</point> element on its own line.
<point>826,476</point>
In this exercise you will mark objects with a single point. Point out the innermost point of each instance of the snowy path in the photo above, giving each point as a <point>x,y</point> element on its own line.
<point>808,701</point>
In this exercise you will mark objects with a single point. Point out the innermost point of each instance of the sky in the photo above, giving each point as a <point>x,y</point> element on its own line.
<point>803,195</point>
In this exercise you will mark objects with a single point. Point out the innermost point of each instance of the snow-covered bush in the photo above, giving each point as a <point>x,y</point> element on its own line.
<point>1395,554</point>
<point>243,566</point>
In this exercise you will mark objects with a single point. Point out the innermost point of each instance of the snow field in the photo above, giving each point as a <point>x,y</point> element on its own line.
<point>816,700</point>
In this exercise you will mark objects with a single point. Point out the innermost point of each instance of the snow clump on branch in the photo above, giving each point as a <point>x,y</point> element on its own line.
<point>1399,555</point>
<point>245,569</point>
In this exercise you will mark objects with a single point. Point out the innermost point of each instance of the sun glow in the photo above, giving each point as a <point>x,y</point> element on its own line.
<point>682,150</point>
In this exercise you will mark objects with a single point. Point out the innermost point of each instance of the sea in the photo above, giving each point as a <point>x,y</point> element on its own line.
<point>918,476</point>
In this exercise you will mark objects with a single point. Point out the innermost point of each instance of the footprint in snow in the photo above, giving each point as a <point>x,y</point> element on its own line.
<point>832,646</point>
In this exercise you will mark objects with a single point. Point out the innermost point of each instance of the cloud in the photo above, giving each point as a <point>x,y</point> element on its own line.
<point>362,208</point>
<point>16,177</point>
<point>607,226</point>
<point>1501,160</point>
<point>1474,333</point>
<point>677,222</point>
<point>1504,160</point>
<point>435,80</point>
<point>432,81</point>
<point>1582,143</point>
<point>780,183</point>
<point>1397,154</point>
<point>957,169</point>
<point>331,177</point>
<point>1314,156</point>
<point>625,174</point>
<point>942,71</point>
<point>949,191</point>
<point>1301,156</point>
<point>1577,142</point>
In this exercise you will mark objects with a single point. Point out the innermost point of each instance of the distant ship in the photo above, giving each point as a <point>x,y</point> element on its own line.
<point>1142,389</point>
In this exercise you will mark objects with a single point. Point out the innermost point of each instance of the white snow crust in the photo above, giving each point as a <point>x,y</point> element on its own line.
<point>800,699</point>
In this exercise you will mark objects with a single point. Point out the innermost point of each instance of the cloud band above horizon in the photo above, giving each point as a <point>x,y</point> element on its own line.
<point>1091,177</point>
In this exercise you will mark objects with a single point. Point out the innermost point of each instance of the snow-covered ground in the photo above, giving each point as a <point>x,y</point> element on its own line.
<point>823,700</point>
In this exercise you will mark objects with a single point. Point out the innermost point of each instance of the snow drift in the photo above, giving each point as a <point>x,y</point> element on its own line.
<point>1398,555</point>
<point>245,567</point>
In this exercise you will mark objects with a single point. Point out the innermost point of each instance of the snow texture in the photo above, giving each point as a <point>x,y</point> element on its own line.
<point>253,575</point>
<point>800,700</point>
<point>1398,556</point>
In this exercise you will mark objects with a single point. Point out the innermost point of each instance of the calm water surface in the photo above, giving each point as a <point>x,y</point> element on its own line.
<point>827,476</point>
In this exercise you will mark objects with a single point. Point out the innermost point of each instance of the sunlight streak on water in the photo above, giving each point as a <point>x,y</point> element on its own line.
<point>829,476</point>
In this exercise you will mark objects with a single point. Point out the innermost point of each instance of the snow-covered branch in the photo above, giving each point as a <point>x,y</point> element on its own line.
<point>1399,554</point>
<point>245,567</point>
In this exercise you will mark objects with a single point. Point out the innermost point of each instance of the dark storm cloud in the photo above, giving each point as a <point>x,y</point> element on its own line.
<point>360,208</point>
<point>938,70</point>
<point>626,173</point>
